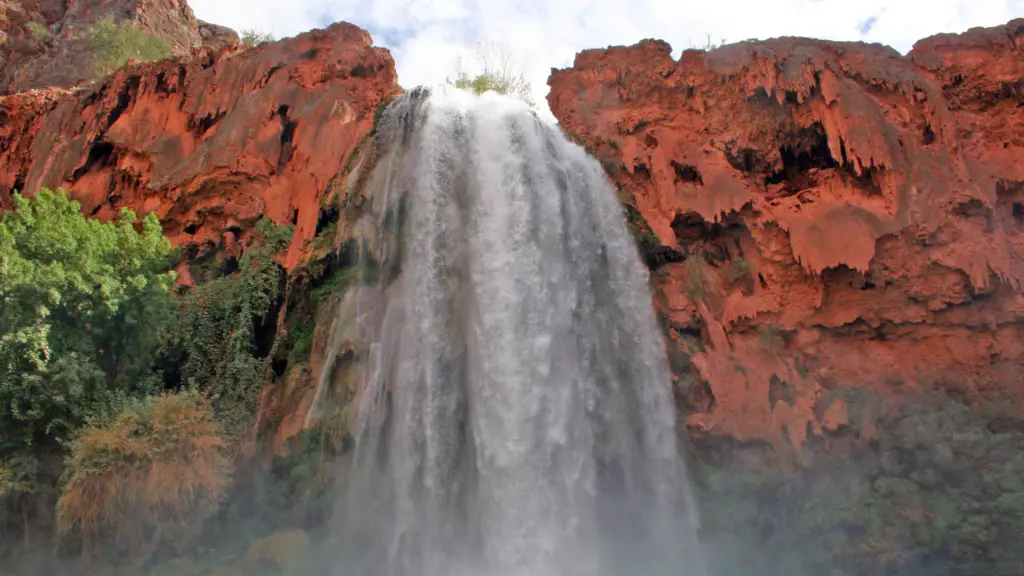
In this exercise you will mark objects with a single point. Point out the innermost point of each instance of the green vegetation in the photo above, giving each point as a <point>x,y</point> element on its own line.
<point>941,489</point>
<point>38,30</point>
<point>737,270</point>
<point>84,308</point>
<point>85,314</point>
<point>253,37</point>
<point>771,337</point>
<point>482,83</point>
<point>122,404</point>
<point>113,44</point>
<point>647,242</point>
<point>498,72</point>
<point>695,283</point>
<point>149,477</point>
<point>335,283</point>
<point>218,332</point>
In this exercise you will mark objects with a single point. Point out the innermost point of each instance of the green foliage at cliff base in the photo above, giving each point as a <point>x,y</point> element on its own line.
<point>941,491</point>
<point>121,403</point>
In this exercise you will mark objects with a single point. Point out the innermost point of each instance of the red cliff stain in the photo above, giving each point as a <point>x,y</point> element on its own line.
<point>850,217</point>
<point>210,142</point>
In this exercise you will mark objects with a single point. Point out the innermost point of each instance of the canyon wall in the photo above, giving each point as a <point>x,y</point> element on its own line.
<point>833,229</point>
<point>835,237</point>
<point>820,216</point>
<point>210,142</point>
<point>46,43</point>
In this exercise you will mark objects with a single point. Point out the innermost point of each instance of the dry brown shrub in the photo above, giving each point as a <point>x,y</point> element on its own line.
<point>287,552</point>
<point>147,479</point>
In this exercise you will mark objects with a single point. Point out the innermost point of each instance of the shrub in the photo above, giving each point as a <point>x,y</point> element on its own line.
<point>6,482</point>
<point>737,270</point>
<point>85,313</point>
<point>709,44</point>
<point>499,72</point>
<point>770,337</point>
<point>646,241</point>
<point>335,283</point>
<point>694,286</point>
<point>113,44</point>
<point>147,477</point>
<point>18,476</point>
<point>254,37</point>
<point>488,81</point>
<point>37,29</point>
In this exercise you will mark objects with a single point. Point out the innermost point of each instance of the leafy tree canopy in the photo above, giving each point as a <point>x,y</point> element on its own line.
<point>84,309</point>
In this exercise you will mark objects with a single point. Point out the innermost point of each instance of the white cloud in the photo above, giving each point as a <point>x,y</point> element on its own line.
<point>425,35</point>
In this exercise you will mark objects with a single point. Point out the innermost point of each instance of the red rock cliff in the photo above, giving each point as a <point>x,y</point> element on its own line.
<point>46,43</point>
<point>211,142</point>
<point>851,217</point>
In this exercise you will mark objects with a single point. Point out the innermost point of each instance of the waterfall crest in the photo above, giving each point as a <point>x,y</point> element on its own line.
<point>516,416</point>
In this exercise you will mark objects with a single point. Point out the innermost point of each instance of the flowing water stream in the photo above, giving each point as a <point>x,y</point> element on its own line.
<point>516,417</point>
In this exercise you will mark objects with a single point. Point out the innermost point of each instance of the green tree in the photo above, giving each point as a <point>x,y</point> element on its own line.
<point>84,312</point>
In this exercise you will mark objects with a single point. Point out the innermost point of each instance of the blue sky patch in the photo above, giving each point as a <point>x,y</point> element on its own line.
<point>867,25</point>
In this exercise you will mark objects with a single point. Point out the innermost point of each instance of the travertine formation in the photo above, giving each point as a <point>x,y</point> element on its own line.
<point>211,142</point>
<point>829,215</point>
<point>825,216</point>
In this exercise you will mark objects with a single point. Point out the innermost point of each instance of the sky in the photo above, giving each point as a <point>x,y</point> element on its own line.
<point>426,36</point>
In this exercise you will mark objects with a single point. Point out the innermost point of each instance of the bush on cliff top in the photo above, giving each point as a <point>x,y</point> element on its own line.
<point>499,72</point>
<point>253,37</point>
<point>113,44</point>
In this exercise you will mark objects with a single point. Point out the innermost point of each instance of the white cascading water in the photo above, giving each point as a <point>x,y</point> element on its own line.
<point>516,418</point>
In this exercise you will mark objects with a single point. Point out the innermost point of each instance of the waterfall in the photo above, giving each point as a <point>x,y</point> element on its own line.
<point>516,417</point>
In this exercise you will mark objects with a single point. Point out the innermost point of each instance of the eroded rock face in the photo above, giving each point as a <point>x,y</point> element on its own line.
<point>45,43</point>
<point>840,216</point>
<point>211,143</point>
